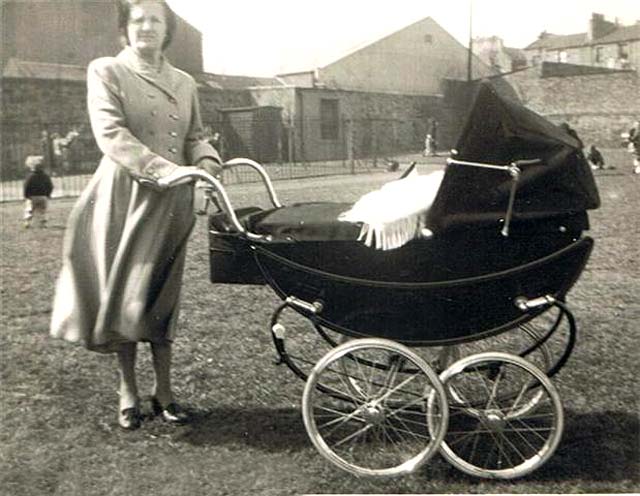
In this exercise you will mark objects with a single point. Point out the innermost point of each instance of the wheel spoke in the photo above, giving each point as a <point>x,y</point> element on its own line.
<point>509,427</point>
<point>368,425</point>
<point>352,435</point>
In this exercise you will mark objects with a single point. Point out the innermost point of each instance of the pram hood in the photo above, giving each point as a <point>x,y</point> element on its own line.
<point>501,131</point>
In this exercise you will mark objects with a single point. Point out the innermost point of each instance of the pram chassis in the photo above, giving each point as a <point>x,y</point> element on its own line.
<point>367,397</point>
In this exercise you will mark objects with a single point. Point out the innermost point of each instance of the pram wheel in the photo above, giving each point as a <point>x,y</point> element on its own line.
<point>373,407</point>
<point>506,416</point>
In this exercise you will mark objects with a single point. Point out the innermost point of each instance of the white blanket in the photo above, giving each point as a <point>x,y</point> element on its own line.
<point>395,214</point>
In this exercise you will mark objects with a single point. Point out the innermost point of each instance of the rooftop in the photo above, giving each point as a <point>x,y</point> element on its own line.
<point>556,42</point>
<point>18,69</point>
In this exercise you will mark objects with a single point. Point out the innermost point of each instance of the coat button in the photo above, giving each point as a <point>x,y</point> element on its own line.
<point>174,117</point>
<point>173,100</point>
<point>154,112</point>
<point>173,149</point>
<point>173,134</point>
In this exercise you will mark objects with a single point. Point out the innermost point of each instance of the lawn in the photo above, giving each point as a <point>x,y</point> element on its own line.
<point>58,430</point>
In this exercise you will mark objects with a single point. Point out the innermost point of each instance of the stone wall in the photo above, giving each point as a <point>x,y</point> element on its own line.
<point>598,106</point>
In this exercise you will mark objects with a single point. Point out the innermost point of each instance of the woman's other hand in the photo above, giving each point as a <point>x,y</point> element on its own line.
<point>211,166</point>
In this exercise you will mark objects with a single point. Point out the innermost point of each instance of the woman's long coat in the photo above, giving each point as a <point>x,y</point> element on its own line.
<point>125,244</point>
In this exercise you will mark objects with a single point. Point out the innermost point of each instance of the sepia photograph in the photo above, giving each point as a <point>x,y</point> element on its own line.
<point>302,248</point>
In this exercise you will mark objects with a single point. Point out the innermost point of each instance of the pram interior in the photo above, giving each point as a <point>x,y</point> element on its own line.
<point>458,284</point>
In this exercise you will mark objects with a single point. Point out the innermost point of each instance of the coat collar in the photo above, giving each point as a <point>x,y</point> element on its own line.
<point>162,78</point>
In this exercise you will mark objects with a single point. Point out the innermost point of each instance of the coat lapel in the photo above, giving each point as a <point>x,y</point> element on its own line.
<point>162,79</point>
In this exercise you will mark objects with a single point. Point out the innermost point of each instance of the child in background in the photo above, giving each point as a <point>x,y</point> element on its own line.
<point>595,157</point>
<point>37,191</point>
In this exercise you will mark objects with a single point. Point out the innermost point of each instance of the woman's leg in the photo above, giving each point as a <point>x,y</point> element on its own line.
<point>127,367</point>
<point>161,353</point>
<point>163,403</point>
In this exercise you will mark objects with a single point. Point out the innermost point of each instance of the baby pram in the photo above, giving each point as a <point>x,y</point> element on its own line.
<point>506,245</point>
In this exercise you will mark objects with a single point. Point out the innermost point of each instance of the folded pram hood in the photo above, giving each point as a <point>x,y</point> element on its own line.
<point>501,131</point>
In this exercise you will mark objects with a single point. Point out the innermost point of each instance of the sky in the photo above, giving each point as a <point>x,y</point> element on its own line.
<point>268,37</point>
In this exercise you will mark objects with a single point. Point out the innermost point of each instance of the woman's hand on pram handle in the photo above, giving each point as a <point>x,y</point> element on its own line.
<point>187,174</point>
<point>211,166</point>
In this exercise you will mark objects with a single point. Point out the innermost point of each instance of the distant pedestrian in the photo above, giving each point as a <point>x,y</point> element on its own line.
<point>37,191</point>
<point>595,157</point>
<point>433,132</point>
<point>634,145</point>
<point>61,147</point>
<point>429,146</point>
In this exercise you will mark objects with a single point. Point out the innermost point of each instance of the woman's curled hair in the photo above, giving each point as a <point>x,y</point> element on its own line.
<point>124,11</point>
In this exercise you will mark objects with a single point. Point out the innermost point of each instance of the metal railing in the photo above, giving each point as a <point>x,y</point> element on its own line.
<point>287,151</point>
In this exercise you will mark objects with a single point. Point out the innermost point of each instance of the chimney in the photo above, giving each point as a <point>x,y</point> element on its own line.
<point>599,27</point>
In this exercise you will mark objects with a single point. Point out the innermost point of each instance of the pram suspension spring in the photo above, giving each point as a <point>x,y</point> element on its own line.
<point>314,308</point>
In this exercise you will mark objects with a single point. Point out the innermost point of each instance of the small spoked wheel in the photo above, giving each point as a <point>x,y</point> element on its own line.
<point>506,418</point>
<point>373,407</point>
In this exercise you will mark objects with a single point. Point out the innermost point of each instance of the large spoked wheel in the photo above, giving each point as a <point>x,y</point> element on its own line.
<point>523,337</point>
<point>373,407</point>
<point>506,418</point>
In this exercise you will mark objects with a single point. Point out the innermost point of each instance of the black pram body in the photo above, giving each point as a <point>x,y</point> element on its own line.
<point>458,284</point>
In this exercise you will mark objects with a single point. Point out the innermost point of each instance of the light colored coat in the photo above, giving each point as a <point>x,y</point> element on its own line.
<point>125,243</point>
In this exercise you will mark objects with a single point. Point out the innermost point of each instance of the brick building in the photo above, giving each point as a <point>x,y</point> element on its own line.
<point>604,44</point>
<point>500,58</point>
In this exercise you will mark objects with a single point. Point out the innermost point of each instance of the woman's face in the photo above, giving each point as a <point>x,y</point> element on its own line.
<point>147,27</point>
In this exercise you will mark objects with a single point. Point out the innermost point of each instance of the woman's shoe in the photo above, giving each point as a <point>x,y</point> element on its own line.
<point>172,413</point>
<point>130,418</point>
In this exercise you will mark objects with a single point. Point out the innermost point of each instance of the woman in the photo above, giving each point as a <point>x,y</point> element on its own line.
<point>125,244</point>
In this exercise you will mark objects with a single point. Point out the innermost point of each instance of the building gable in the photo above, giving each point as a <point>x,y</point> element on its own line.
<point>413,60</point>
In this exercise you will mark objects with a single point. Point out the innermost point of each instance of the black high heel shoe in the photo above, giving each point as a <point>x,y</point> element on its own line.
<point>130,418</point>
<point>172,413</point>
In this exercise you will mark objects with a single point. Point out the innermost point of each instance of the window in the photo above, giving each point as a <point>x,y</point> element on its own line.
<point>623,51</point>
<point>428,38</point>
<point>562,56</point>
<point>329,119</point>
<point>599,54</point>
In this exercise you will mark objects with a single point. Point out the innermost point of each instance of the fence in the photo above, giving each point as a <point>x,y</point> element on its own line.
<point>304,148</point>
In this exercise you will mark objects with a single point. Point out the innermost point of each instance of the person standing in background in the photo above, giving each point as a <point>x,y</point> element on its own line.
<point>634,146</point>
<point>433,132</point>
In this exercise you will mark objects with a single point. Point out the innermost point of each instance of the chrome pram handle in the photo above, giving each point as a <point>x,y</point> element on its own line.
<point>514,170</point>
<point>188,174</point>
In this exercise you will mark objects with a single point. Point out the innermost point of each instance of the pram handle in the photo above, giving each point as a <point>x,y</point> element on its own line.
<point>188,174</point>
<point>236,162</point>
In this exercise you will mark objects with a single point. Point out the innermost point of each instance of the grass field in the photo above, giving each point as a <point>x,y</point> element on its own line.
<point>58,431</point>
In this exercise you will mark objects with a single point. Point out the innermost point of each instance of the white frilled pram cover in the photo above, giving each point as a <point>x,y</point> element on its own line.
<point>395,214</point>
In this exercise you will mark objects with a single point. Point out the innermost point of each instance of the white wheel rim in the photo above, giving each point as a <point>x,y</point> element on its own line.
<point>370,417</point>
<point>506,430</point>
